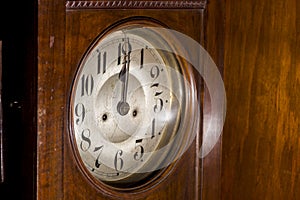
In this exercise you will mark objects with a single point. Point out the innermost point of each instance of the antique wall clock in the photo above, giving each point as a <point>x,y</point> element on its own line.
<point>129,104</point>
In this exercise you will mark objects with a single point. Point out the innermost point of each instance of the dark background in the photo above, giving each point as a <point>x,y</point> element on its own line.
<point>18,35</point>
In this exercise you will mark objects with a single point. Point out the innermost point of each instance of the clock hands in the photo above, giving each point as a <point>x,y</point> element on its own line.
<point>123,106</point>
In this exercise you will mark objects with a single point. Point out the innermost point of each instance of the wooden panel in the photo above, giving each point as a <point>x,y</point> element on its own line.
<point>214,45</point>
<point>261,141</point>
<point>183,181</point>
<point>51,99</point>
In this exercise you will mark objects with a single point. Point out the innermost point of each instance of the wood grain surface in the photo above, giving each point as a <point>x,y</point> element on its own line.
<point>261,139</point>
<point>214,45</point>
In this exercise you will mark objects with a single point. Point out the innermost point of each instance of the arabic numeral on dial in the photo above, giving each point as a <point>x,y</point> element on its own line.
<point>140,153</point>
<point>118,162</point>
<point>87,85</point>
<point>158,101</point>
<point>157,93</point>
<point>153,134</point>
<point>101,62</point>
<point>97,162</point>
<point>80,113</point>
<point>85,144</point>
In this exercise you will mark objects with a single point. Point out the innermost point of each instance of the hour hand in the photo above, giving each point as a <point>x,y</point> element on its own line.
<point>123,107</point>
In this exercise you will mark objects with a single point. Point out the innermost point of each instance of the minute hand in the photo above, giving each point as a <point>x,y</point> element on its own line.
<point>123,107</point>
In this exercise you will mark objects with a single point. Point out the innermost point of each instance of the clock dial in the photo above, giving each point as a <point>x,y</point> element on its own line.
<point>126,106</point>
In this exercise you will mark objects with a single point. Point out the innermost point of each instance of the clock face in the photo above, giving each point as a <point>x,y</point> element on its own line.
<point>127,106</point>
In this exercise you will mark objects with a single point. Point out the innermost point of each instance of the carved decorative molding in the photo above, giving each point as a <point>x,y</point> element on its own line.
<point>198,4</point>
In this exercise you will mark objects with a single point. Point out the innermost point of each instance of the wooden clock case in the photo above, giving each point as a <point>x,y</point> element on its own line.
<point>57,35</point>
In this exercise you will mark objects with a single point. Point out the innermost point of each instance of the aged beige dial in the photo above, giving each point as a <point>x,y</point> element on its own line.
<point>127,104</point>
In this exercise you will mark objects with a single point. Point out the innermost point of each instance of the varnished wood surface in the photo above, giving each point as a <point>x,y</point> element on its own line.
<point>214,45</point>
<point>51,102</point>
<point>261,139</point>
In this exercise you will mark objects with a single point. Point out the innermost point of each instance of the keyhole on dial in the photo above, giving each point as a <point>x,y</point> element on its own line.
<point>104,117</point>
<point>134,113</point>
